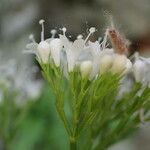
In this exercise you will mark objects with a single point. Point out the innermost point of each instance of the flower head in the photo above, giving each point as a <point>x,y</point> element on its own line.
<point>96,82</point>
<point>83,52</point>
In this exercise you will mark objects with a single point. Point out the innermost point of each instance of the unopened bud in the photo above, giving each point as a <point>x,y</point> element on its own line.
<point>86,68</point>
<point>119,64</point>
<point>106,63</point>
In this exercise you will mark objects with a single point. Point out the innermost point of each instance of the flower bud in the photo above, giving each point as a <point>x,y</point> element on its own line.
<point>56,47</point>
<point>106,63</point>
<point>119,64</point>
<point>86,68</point>
<point>139,70</point>
<point>44,51</point>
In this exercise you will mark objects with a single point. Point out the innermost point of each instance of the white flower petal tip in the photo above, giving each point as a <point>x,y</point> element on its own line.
<point>86,68</point>
<point>43,51</point>
<point>106,63</point>
<point>139,70</point>
<point>56,47</point>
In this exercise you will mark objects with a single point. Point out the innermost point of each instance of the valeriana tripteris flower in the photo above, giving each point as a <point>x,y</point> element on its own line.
<point>80,49</point>
<point>46,48</point>
<point>72,49</point>
<point>91,79</point>
<point>103,59</point>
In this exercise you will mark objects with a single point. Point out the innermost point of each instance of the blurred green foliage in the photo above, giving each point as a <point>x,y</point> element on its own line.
<point>35,125</point>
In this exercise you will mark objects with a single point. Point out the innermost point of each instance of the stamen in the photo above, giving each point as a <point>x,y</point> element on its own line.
<point>41,22</point>
<point>53,32</point>
<point>64,30</point>
<point>31,38</point>
<point>91,30</point>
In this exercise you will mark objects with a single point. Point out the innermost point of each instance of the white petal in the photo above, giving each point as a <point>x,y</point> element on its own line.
<point>78,44</point>
<point>43,51</point>
<point>96,53</point>
<point>49,40</point>
<point>66,43</point>
<point>56,47</point>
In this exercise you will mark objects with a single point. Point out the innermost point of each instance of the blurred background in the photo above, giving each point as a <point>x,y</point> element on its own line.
<point>33,123</point>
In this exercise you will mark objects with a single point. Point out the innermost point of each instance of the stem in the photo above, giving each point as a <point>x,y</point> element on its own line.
<point>73,143</point>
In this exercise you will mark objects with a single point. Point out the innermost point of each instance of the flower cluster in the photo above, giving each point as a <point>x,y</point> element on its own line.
<point>104,88</point>
<point>91,58</point>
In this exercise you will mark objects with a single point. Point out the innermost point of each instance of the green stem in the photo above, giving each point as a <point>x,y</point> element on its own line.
<point>73,143</point>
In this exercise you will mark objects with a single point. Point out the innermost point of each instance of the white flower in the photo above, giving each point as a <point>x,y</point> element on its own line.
<point>43,51</point>
<point>86,68</point>
<point>75,49</point>
<point>72,50</point>
<point>95,50</point>
<point>55,48</point>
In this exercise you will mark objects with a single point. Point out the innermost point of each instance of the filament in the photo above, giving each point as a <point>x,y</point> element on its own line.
<point>91,30</point>
<point>64,30</point>
<point>53,32</point>
<point>41,22</point>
